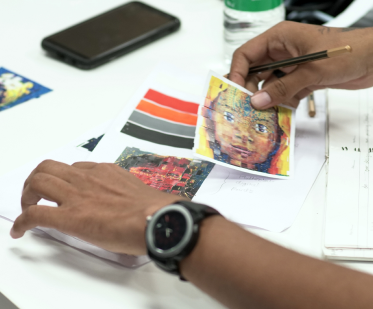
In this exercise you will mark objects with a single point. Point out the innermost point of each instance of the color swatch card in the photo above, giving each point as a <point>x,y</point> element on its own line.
<point>163,119</point>
<point>232,133</point>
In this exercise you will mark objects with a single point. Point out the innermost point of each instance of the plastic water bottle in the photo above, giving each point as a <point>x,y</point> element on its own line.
<point>245,19</point>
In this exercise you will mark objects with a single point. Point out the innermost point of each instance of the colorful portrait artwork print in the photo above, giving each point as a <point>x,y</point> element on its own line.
<point>231,131</point>
<point>16,89</point>
<point>179,176</point>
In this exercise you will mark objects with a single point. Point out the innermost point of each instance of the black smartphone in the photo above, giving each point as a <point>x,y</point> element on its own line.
<point>110,35</point>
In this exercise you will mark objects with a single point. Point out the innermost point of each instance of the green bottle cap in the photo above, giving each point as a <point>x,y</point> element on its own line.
<point>252,5</point>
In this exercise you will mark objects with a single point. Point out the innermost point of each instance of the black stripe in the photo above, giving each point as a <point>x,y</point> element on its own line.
<point>157,137</point>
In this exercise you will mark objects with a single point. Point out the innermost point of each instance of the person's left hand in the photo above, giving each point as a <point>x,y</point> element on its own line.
<point>99,203</point>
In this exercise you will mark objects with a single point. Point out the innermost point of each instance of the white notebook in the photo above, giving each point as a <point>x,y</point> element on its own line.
<point>349,201</point>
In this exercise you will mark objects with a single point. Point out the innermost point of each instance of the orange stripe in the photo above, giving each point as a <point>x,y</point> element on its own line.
<point>166,113</point>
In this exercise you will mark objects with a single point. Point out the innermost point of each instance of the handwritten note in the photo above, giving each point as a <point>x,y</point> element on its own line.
<point>349,214</point>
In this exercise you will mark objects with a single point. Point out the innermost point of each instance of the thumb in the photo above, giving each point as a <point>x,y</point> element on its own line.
<point>281,90</point>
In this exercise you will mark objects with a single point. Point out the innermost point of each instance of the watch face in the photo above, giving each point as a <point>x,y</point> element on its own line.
<point>169,229</point>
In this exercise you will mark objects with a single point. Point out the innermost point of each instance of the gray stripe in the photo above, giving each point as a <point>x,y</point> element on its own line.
<point>162,125</point>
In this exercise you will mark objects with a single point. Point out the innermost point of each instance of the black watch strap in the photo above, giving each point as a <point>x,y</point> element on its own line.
<point>198,213</point>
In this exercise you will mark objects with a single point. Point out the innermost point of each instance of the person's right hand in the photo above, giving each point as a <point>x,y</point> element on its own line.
<point>289,39</point>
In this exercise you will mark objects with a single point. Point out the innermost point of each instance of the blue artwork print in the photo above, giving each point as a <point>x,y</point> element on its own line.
<point>16,89</point>
<point>91,144</point>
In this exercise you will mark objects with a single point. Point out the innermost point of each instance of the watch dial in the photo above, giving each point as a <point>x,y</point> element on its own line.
<point>169,230</point>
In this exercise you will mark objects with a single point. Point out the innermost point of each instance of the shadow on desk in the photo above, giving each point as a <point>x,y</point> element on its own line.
<point>5,303</point>
<point>148,280</point>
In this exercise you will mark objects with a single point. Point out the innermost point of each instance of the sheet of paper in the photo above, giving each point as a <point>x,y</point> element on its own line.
<point>253,200</point>
<point>349,210</point>
<point>153,136</point>
<point>161,117</point>
<point>231,133</point>
<point>271,204</point>
<point>11,185</point>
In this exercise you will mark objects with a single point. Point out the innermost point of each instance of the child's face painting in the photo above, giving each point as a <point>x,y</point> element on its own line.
<point>247,135</point>
<point>230,132</point>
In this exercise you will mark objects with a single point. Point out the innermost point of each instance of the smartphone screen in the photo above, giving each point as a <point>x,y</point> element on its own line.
<point>111,31</point>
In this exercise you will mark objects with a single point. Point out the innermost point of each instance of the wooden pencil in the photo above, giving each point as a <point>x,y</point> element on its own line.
<point>301,59</point>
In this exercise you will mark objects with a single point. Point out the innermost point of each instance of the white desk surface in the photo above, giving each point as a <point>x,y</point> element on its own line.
<point>38,272</point>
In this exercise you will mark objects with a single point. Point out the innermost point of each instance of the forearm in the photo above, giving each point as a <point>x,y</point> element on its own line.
<point>241,270</point>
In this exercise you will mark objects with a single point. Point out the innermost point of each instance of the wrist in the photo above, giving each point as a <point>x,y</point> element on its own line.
<point>130,236</point>
<point>173,232</point>
<point>361,41</point>
<point>208,231</point>
<point>167,199</point>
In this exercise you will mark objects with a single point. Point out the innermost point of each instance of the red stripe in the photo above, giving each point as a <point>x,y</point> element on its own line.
<point>166,113</point>
<point>168,101</point>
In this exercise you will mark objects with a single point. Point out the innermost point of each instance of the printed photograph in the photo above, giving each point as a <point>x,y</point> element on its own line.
<point>179,176</point>
<point>231,131</point>
<point>16,89</point>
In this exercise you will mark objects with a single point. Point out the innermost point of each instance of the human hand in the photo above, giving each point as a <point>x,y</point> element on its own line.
<point>289,39</point>
<point>99,203</point>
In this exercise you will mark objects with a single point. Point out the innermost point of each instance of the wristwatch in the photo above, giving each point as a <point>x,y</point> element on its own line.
<point>172,233</point>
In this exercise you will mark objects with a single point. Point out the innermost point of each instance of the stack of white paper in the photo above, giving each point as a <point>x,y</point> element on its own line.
<point>158,125</point>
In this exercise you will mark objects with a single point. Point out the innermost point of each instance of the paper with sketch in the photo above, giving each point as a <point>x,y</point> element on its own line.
<point>11,185</point>
<point>271,204</point>
<point>230,132</point>
<point>349,210</point>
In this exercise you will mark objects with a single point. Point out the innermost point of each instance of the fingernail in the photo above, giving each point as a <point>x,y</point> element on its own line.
<point>261,100</point>
<point>13,234</point>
